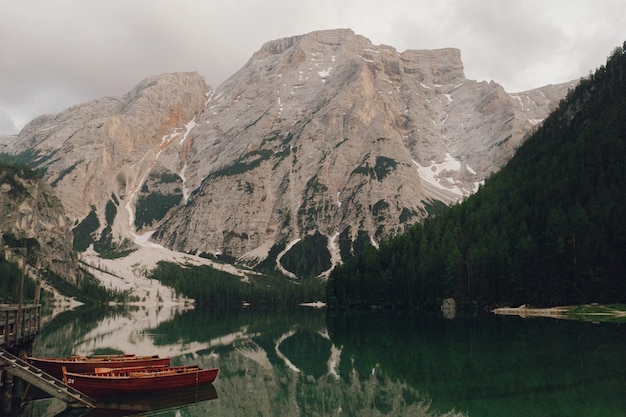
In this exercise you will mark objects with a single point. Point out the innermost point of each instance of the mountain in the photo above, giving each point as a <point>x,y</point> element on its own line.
<point>321,134</point>
<point>548,229</point>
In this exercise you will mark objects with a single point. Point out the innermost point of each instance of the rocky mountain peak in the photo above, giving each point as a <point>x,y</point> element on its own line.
<point>328,132</point>
<point>103,150</point>
<point>317,133</point>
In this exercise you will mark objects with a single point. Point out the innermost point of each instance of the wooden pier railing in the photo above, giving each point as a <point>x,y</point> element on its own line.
<point>18,326</point>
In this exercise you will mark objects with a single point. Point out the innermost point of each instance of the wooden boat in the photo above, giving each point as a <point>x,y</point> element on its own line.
<point>104,383</point>
<point>86,364</point>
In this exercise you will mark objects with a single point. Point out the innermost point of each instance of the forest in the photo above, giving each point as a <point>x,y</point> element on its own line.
<point>547,229</point>
<point>211,287</point>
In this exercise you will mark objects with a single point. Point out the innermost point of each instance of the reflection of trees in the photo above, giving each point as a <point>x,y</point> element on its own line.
<point>245,387</point>
<point>308,352</point>
<point>287,364</point>
<point>199,325</point>
<point>489,366</point>
<point>70,326</point>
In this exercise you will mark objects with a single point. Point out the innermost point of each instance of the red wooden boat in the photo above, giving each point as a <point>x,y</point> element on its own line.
<point>86,364</point>
<point>104,383</point>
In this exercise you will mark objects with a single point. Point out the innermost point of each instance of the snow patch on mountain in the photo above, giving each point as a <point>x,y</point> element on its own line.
<point>131,273</point>
<point>439,174</point>
<point>280,266</point>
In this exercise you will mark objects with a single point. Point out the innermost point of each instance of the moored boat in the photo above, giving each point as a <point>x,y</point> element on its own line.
<point>87,364</point>
<point>105,383</point>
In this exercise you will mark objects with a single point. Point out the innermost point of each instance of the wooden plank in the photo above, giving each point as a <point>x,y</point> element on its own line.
<point>47,383</point>
<point>15,328</point>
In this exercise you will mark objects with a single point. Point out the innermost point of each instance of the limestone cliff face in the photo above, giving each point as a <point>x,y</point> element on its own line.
<point>100,153</point>
<point>328,132</point>
<point>30,214</point>
<point>320,132</point>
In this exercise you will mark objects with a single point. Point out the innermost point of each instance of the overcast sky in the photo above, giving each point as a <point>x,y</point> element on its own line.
<point>58,53</point>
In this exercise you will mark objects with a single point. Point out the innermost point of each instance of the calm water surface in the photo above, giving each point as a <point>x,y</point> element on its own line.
<point>308,362</point>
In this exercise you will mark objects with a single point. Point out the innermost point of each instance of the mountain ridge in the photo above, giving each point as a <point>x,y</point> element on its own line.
<point>317,132</point>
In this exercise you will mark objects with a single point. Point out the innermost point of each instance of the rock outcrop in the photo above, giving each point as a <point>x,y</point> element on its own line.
<point>33,223</point>
<point>100,153</point>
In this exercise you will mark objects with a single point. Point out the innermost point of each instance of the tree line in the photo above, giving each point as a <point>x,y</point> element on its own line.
<point>211,287</point>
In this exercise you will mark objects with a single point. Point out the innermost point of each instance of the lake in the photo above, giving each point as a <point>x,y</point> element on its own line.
<point>310,362</point>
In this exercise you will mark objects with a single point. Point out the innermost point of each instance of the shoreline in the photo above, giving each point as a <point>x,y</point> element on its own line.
<point>584,312</point>
<point>525,311</point>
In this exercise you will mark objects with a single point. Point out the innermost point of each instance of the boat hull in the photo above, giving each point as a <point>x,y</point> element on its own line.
<point>88,364</point>
<point>114,382</point>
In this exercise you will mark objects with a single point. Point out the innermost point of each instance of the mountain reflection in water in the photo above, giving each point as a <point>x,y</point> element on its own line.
<point>146,404</point>
<point>309,362</point>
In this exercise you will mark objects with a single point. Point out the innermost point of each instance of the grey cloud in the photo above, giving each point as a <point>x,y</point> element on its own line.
<point>6,123</point>
<point>57,54</point>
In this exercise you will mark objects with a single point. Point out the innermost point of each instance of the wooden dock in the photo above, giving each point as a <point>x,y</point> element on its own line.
<point>18,327</point>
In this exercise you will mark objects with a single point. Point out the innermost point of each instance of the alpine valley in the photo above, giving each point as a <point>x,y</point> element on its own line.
<point>323,135</point>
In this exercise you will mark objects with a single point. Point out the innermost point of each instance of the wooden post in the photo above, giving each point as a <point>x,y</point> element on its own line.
<point>7,385</point>
<point>37,291</point>
<point>19,320</point>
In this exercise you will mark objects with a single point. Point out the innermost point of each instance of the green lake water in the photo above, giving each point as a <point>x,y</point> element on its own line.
<point>310,362</point>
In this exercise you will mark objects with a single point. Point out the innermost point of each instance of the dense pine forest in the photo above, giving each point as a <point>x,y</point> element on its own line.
<point>548,229</point>
<point>213,288</point>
